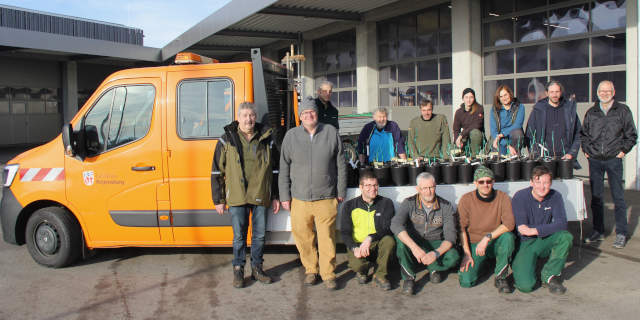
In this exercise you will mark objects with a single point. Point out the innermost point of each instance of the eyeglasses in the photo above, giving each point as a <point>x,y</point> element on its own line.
<point>483,182</point>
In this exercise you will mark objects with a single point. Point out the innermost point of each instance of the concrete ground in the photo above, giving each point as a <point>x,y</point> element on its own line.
<point>195,283</point>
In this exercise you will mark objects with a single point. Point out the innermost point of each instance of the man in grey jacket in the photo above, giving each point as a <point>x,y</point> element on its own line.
<point>425,230</point>
<point>312,181</point>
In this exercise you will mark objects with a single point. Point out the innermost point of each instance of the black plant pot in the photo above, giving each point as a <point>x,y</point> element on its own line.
<point>499,169</point>
<point>565,169</point>
<point>513,170</point>
<point>436,170</point>
<point>399,175</point>
<point>413,172</point>
<point>465,173</point>
<point>551,164</point>
<point>383,174</point>
<point>449,172</point>
<point>526,167</point>
<point>352,176</point>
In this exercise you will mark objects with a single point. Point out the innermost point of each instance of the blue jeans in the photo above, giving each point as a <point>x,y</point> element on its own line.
<point>613,168</point>
<point>240,224</point>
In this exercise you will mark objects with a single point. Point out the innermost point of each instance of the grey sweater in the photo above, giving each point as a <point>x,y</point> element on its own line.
<point>439,224</point>
<point>312,168</point>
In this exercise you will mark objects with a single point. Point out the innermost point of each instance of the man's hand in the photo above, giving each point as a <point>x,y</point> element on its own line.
<point>586,155</point>
<point>275,205</point>
<point>428,258</point>
<point>357,253</point>
<point>512,151</point>
<point>567,157</point>
<point>361,157</point>
<point>620,155</point>
<point>495,142</point>
<point>526,231</point>
<point>418,253</point>
<point>482,246</point>
<point>459,141</point>
<point>220,209</point>
<point>467,261</point>
<point>364,247</point>
<point>286,205</point>
<point>340,199</point>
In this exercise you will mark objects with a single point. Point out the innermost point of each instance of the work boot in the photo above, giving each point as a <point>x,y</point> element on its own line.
<point>435,277</point>
<point>258,274</point>
<point>331,284</point>
<point>310,279</point>
<point>407,287</point>
<point>238,276</point>
<point>555,285</point>
<point>502,283</point>
<point>594,237</point>
<point>382,283</point>
<point>362,277</point>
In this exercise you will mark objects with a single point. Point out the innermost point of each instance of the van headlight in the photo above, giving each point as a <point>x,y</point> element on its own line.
<point>10,172</point>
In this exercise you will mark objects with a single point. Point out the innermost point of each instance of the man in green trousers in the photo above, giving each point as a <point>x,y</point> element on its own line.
<point>542,225</point>
<point>425,228</point>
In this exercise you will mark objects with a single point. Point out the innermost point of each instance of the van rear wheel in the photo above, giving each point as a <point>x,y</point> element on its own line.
<point>53,237</point>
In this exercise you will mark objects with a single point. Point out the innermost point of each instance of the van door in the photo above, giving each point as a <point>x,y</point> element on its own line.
<point>114,187</point>
<point>204,103</point>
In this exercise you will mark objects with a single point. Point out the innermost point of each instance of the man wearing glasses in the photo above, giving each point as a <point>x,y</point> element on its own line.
<point>486,221</point>
<point>425,227</point>
<point>542,225</point>
<point>312,181</point>
<point>365,224</point>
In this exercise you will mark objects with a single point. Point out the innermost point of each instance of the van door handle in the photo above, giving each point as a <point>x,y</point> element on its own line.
<point>146,168</point>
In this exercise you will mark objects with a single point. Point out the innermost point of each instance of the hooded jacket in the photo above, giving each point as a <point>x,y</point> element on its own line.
<point>229,184</point>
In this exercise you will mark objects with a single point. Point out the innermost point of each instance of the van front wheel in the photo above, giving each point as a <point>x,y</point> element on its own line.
<point>53,237</point>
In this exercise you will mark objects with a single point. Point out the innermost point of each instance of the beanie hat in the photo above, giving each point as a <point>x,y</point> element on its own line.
<point>308,103</point>
<point>467,90</point>
<point>482,172</point>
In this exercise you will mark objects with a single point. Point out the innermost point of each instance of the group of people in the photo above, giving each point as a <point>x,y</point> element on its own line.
<point>426,229</point>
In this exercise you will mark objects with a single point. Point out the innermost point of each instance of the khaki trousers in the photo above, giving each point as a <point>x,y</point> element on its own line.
<point>321,214</point>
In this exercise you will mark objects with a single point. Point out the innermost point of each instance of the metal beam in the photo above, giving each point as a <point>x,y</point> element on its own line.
<point>258,34</point>
<point>312,13</point>
<point>220,48</point>
<point>7,48</point>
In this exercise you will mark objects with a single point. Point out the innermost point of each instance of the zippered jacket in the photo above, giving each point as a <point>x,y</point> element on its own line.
<point>604,136</point>
<point>439,224</point>
<point>229,184</point>
<point>360,220</point>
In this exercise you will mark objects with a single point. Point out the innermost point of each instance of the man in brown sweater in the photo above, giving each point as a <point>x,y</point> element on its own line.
<point>486,222</point>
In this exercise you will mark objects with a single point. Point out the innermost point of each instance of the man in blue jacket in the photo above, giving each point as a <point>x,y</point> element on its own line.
<point>541,221</point>
<point>381,139</point>
<point>553,128</point>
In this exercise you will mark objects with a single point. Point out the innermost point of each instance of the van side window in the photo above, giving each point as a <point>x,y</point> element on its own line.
<point>204,107</point>
<point>121,115</point>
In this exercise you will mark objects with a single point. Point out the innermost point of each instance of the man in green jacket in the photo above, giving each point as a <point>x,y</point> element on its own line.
<point>242,178</point>
<point>428,133</point>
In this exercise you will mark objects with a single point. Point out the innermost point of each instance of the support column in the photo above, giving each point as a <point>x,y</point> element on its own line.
<point>69,90</point>
<point>366,71</point>
<point>307,70</point>
<point>466,57</point>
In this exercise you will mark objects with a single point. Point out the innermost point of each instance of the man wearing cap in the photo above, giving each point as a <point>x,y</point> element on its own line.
<point>486,221</point>
<point>312,181</point>
<point>425,228</point>
<point>381,139</point>
<point>542,225</point>
<point>365,226</point>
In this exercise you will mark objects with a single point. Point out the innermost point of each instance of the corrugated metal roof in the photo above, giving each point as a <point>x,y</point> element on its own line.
<point>277,23</point>
<point>359,6</point>
<point>235,41</point>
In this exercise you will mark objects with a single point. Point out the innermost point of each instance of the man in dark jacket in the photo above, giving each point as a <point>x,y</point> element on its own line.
<point>365,224</point>
<point>425,228</point>
<point>553,128</point>
<point>242,178</point>
<point>327,113</point>
<point>380,140</point>
<point>608,134</point>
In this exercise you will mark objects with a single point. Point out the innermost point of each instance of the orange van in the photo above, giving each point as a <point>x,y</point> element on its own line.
<point>133,167</point>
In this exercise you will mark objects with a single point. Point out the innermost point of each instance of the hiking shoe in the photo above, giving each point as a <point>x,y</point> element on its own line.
<point>238,276</point>
<point>503,286</point>
<point>621,241</point>
<point>435,277</point>
<point>331,284</point>
<point>594,237</point>
<point>382,283</point>
<point>362,277</point>
<point>407,287</point>
<point>310,279</point>
<point>555,285</point>
<point>258,274</point>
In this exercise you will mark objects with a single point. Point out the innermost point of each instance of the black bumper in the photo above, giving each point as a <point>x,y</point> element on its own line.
<point>10,209</point>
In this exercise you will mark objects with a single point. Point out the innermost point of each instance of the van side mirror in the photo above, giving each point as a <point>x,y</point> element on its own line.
<point>92,142</point>
<point>73,142</point>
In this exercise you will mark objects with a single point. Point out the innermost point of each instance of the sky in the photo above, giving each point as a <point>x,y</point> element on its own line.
<point>161,20</point>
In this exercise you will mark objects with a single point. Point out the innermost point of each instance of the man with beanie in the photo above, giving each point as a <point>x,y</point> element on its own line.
<point>312,181</point>
<point>486,221</point>
<point>425,228</point>
<point>542,225</point>
<point>468,123</point>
